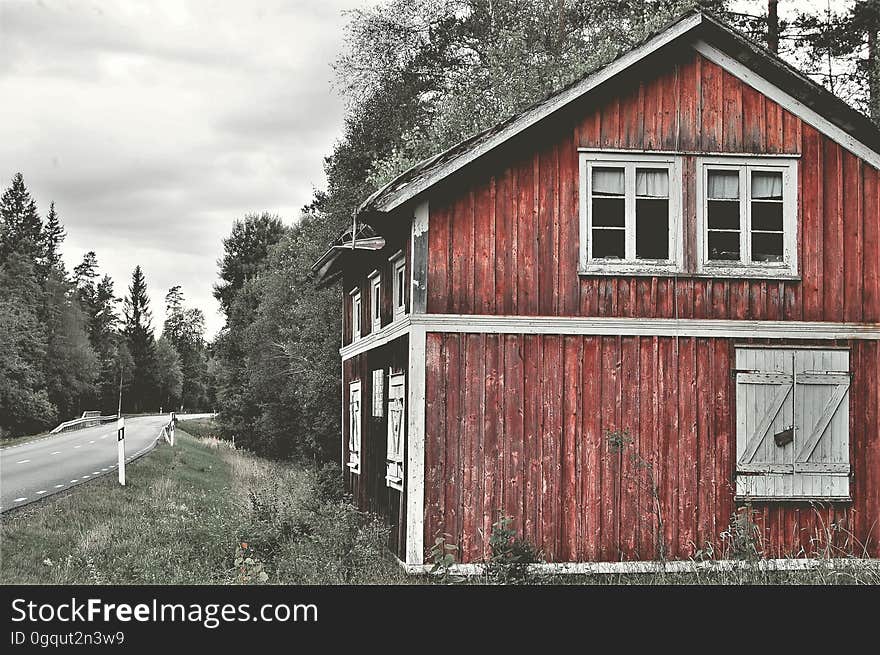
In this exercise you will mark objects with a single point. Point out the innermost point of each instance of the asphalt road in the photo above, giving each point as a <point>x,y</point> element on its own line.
<point>51,464</point>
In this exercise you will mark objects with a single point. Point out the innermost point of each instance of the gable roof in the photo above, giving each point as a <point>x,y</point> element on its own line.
<point>708,35</point>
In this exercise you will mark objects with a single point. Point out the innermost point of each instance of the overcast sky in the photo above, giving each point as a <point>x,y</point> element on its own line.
<point>154,124</point>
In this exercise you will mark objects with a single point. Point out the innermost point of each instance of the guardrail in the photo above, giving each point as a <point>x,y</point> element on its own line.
<point>83,422</point>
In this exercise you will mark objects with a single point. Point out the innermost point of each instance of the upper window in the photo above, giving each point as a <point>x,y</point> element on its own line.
<point>375,301</point>
<point>355,314</point>
<point>746,216</point>
<point>398,263</point>
<point>630,213</point>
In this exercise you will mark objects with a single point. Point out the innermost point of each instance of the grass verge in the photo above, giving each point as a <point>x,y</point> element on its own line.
<point>199,513</point>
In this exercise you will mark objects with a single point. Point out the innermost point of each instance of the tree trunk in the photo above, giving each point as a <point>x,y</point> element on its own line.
<point>873,76</point>
<point>772,26</point>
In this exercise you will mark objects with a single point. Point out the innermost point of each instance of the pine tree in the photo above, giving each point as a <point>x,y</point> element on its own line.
<point>138,330</point>
<point>53,237</point>
<point>21,230</point>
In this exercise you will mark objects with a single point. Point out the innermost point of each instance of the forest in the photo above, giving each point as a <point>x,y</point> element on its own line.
<point>69,344</point>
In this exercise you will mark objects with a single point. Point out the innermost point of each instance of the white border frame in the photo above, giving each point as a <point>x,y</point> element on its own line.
<point>355,386</point>
<point>632,160</point>
<point>788,166</point>
<point>375,279</point>
<point>356,314</point>
<point>400,456</point>
<point>398,261</point>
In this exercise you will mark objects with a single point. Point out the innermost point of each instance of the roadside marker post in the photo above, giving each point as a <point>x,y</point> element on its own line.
<point>120,442</point>
<point>171,428</point>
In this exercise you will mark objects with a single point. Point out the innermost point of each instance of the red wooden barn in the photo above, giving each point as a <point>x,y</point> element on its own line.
<point>644,303</point>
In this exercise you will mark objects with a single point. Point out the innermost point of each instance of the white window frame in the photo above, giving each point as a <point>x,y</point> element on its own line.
<point>398,264</point>
<point>394,460</point>
<point>356,331</point>
<point>375,297</point>
<point>788,267</point>
<point>354,445</point>
<point>630,161</point>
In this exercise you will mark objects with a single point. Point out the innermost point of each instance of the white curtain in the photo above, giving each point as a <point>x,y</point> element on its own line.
<point>766,185</point>
<point>608,181</point>
<point>723,184</point>
<point>653,183</point>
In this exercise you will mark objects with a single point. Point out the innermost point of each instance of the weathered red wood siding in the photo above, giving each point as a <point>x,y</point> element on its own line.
<point>505,239</point>
<point>519,423</point>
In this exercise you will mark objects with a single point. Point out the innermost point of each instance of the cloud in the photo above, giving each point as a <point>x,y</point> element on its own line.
<point>154,125</point>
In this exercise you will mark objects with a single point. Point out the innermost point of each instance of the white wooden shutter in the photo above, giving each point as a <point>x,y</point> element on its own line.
<point>792,409</point>
<point>396,430</point>
<point>354,426</point>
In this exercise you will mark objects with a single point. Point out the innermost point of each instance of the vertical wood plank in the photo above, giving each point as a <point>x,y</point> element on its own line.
<point>811,201</point>
<point>591,496</point>
<point>571,510</point>
<point>755,120</point>
<point>832,237</point>
<point>514,487</point>
<point>484,248</point>
<point>711,112</point>
<point>853,253</point>
<point>732,113</point>
<point>871,241</point>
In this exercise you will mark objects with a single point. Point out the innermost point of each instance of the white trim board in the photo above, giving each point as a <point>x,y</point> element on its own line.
<point>415,449</point>
<point>659,327</point>
<point>788,102</point>
<point>654,566</point>
<point>375,339</point>
<point>537,114</point>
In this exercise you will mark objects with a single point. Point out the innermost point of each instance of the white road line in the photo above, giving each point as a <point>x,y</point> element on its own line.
<point>18,500</point>
<point>92,441</point>
<point>85,477</point>
<point>74,480</point>
<point>104,469</point>
<point>24,461</point>
<point>78,446</point>
<point>58,486</point>
<point>41,492</point>
<point>57,452</point>
<point>96,473</point>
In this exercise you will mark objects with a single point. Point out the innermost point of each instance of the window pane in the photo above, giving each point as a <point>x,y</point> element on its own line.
<point>607,181</point>
<point>724,246</point>
<point>652,182</point>
<point>723,184</point>
<point>767,247</point>
<point>767,185</point>
<point>767,216</point>
<point>723,215</point>
<point>652,229</point>
<point>608,212</point>
<point>609,244</point>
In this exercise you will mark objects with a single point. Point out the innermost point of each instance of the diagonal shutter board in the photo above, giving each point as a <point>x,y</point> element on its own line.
<point>782,394</point>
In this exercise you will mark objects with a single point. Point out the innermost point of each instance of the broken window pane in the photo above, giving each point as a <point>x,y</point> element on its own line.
<point>652,228</point>
<point>609,243</point>
<point>724,245</point>
<point>767,246</point>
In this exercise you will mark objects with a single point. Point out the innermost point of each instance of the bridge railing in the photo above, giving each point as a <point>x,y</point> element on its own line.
<point>83,422</point>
